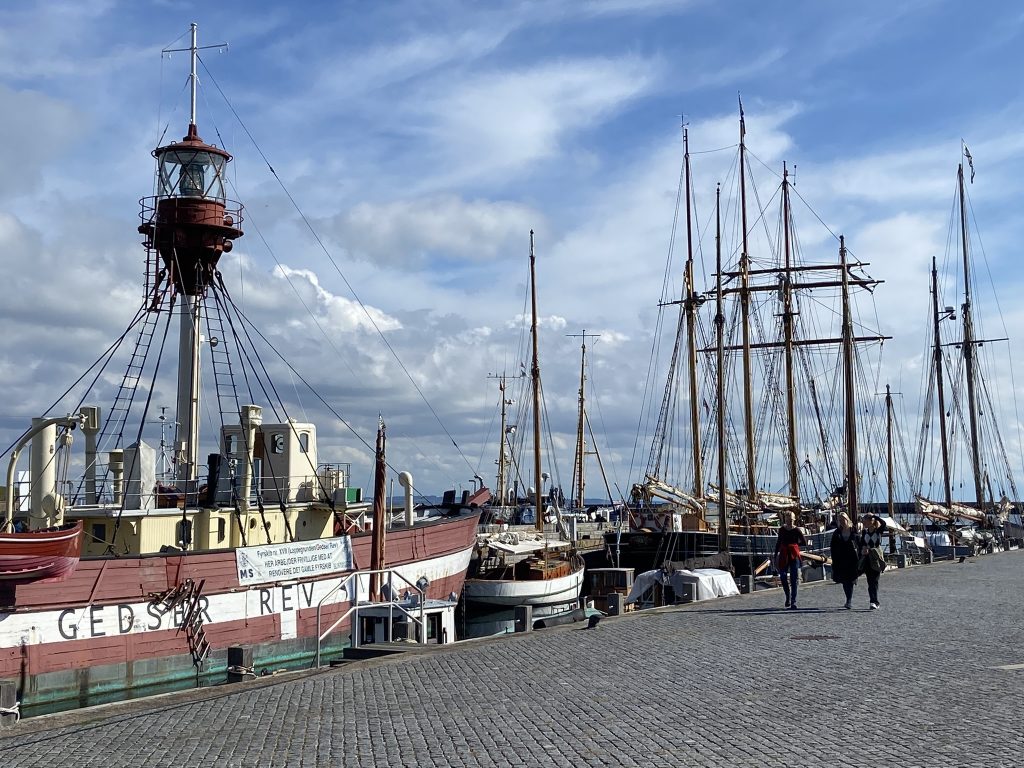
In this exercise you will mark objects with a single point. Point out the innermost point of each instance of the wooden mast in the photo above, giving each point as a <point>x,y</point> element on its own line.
<point>535,377</point>
<point>379,512</point>
<point>723,517</point>
<point>748,395</point>
<point>502,491</point>
<point>581,438</point>
<point>969,346</point>
<point>848,388</point>
<point>888,450</point>
<point>691,305</point>
<point>940,390</point>
<point>788,317</point>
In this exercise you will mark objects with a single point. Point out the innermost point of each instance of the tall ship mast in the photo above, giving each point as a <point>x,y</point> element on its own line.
<point>969,415</point>
<point>769,436</point>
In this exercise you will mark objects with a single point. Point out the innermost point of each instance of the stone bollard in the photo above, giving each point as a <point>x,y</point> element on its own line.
<point>240,666</point>
<point>524,618</point>
<point>746,584</point>
<point>8,703</point>
<point>929,557</point>
<point>901,560</point>
<point>616,604</point>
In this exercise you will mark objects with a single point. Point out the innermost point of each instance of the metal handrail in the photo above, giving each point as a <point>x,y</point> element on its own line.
<point>343,585</point>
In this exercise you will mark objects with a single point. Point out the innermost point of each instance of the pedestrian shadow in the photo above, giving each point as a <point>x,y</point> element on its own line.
<point>767,611</point>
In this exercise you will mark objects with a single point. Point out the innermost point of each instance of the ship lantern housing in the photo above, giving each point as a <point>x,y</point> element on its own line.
<point>190,221</point>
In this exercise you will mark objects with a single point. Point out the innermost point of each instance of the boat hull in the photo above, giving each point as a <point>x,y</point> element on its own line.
<point>511,592</point>
<point>646,550</point>
<point>31,556</point>
<point>104,633</point>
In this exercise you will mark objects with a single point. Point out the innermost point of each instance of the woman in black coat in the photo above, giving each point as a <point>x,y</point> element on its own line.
<point>845,557</point>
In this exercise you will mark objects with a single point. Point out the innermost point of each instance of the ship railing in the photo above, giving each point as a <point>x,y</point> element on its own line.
<point>352,585</point>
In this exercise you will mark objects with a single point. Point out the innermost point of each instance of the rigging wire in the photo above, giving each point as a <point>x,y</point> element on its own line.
<point>341,274</point>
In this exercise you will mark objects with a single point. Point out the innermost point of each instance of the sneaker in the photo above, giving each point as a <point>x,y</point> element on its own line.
<point>787,603</point>
<point>874,606</point>
<point>793,607</point>
<point>848,605</point>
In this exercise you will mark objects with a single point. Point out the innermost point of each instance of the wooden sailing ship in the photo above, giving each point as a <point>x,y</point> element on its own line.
<point>733,522</point>
<point>509,570</point>
<point>960,412</point>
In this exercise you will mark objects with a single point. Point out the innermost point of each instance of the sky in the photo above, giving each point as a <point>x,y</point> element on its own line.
<point>393,158</point>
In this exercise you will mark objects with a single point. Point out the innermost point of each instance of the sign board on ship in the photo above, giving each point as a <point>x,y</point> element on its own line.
<point>293,560</point>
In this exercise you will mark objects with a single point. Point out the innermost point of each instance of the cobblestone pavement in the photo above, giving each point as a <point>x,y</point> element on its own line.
<point>736,682</point>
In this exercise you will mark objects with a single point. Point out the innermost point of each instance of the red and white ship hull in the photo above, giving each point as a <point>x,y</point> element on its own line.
<point>104,631</point>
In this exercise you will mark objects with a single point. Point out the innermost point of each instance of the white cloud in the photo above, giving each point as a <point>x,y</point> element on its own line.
<point>500,122</point>
<point>407,232</point>
<point>336,312</point>
<point>37,129</point>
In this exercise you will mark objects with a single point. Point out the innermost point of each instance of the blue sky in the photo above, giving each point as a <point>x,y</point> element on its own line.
<point>424,140</point>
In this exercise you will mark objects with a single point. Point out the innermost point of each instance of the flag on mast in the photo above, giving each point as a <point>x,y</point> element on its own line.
<point>970,161</point>
<point>743,126</point>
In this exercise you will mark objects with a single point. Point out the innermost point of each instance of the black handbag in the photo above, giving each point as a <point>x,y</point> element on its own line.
<point>875,559</point>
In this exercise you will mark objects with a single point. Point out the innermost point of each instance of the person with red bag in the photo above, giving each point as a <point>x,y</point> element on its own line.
<point>787,557</point>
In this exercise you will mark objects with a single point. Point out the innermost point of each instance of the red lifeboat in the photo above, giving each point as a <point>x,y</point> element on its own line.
<point>50,554</point>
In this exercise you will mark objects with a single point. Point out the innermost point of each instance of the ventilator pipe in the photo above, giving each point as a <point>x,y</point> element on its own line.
<point>38,425</point>
<point>251,418</point>
<point>405,480</point>
<point>90,428</point>
<point>43,469</point>
<point>115,462</point>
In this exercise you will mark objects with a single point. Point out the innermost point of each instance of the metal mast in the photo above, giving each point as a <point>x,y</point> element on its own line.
<point>189,224</point>
<point>193,76</point>
<point>969,346</point>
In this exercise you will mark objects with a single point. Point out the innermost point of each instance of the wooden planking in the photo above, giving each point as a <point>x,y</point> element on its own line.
<point>129,579</point>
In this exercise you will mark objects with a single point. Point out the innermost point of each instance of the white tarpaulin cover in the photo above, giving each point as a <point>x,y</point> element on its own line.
<point>891,525</point>
<point>513,544</point>
<point>708,583</point>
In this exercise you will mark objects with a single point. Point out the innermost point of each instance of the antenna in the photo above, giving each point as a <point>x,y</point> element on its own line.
<point>164,459</point>
<point>193,50</point>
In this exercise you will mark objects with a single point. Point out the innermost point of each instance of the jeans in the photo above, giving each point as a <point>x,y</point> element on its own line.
<point>872,577</point>
<point>790,576</point>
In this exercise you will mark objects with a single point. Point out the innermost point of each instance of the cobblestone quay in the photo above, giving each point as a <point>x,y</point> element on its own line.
<point>934,678</point>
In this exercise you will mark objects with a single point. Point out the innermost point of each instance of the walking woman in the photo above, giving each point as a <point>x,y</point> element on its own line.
<point>845,557</point>
<point>872,559</point>
<point>787,557</point>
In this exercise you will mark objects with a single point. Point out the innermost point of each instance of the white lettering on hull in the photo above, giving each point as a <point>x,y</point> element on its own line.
<point>83,622</point>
